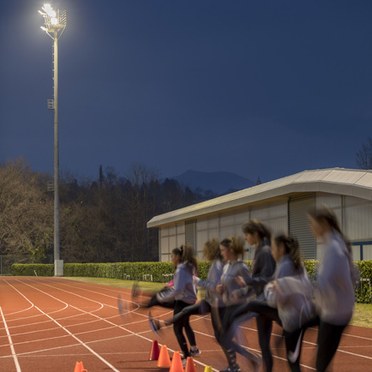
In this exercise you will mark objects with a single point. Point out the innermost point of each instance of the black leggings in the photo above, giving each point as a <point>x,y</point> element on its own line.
<point>265,315</point>
<point>153,300</point>
<point>226,335</point>
<point>329,336</point>
<point>199,308</point>
<point>183,323</point>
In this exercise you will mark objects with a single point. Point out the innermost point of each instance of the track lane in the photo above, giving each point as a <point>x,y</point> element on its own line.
<point>126,342</point>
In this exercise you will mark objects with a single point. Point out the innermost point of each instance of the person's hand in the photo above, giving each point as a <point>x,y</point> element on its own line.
<point>219,288</point>
<point>235,295</point>
<point>240,281</point>
<point>195,280</point>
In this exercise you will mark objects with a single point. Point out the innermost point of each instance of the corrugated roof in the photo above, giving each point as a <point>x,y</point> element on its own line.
<point>352,182</point>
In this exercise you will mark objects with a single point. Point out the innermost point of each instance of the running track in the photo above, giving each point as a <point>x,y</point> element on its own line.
<point>47,324</point>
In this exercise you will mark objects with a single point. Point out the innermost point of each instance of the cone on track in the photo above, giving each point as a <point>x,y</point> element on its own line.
<point>176,363</point>
<point>190,366</point>
<point>154,352</point>
<point>208,369</point>
<point>164,359</point>
<point>78,367</point>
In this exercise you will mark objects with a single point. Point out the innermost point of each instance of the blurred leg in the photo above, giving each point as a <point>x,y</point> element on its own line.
<point>264,327</point>
<point>329,337</point>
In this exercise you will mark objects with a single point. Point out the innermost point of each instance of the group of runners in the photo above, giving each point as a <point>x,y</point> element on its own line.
<point>275,289</point>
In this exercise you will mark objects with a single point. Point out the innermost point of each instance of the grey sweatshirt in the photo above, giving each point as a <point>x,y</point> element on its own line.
<point>285,267</point>
<point>184,288</point>
<point>335,293</point>
<point>231,271</point>
<point>292,295</point>
<point>262,271</point>
<point>213,278</point>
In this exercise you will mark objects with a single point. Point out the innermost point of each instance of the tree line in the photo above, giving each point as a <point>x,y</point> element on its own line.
<point>101,220</point>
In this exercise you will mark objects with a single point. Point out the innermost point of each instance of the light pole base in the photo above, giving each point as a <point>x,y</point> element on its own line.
<point>58,267</point>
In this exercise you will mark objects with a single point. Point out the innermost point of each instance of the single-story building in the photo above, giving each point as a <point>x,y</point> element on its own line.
<point>282,204</point>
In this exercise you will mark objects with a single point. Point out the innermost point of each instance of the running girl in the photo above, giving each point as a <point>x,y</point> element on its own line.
<point>335,292</point>
<point>184,294</point>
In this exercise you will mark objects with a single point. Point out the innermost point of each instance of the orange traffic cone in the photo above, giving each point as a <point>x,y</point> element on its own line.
<point>176,363</point>
<point>208,369</point>
<point>164,360</point>
<point>154,352</point>
<point>78,367</point>
<point>83,369</point>
<point>190,366</point>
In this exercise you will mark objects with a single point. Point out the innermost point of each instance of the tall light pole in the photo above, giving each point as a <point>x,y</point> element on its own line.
<point>54,25</point>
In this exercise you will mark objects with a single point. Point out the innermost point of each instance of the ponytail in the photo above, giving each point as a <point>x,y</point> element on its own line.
<point>263,232</point>
<point>187,255</point>
<point>235,244</point>
<point>326,215</point>
<point>291,247</point>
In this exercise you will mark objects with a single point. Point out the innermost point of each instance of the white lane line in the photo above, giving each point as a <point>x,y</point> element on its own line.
<point>168,312</point>
<point>339,350</point>
<point>345,334</point>
<point>106,320</point>
<point>21,311</point>
<point>80,342</point>
<point>14,355</point>
<point>65,329</point>
<point>244,327</point>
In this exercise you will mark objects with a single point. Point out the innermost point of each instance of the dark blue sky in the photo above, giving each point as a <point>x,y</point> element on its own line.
<point>259,88</point>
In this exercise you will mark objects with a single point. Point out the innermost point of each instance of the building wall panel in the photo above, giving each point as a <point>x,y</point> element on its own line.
<point>357,219</point>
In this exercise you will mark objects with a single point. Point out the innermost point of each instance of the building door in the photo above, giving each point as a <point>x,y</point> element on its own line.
<point>190,233</point>
<point>299,224</point>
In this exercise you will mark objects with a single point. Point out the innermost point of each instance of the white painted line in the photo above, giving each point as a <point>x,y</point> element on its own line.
<point>80,342</point>
<point>106,320</point>
<point>14,355</point>
<point>65,329</point>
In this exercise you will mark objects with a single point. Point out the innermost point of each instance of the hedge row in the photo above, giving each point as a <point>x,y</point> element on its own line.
<point>162,272</point>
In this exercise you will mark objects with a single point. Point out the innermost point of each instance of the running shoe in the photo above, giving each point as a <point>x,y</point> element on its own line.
<point>194,351</point>
<point>135,290</point>
<point>294,354</point>
<point>154,324</point>
<point>234,369</point>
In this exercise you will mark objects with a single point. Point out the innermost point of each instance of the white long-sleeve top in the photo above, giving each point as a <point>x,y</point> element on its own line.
<point>334,295</point>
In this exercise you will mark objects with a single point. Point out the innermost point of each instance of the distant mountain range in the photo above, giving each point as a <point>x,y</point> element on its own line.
<point>218,183</point>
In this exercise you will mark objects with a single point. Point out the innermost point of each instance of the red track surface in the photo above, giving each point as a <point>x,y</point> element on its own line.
<point>47,324</point>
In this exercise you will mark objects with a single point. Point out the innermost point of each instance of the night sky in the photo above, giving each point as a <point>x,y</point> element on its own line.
<point>258,88</point>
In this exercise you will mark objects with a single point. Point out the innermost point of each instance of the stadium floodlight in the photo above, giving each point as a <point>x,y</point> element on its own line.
<point>54,25</point>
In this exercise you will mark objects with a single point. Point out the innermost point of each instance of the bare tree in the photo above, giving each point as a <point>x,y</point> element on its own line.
<point>364,155</point>
<point>140,174</point>
<point>26,221</point>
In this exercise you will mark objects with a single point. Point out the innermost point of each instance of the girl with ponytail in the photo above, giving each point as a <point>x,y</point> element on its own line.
<point>285,250</point>
<point>184,294</point>
<point>334,294</point>
<point>232,250</point>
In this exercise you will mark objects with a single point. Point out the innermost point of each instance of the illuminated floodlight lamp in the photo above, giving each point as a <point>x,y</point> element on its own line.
<point>54,20</point>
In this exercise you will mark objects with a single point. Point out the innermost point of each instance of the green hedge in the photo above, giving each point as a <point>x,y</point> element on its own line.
<point>32,269</point>
<point>162,272</point>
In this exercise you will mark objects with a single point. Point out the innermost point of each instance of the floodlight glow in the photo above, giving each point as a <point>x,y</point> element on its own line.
<point>48,9</point>
<point>54,21</point>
